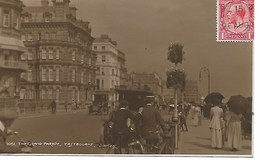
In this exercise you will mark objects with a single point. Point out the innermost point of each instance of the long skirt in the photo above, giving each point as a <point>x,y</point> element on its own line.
<point>197,120</point>
<point>234,135</point>
<point>216,138</point>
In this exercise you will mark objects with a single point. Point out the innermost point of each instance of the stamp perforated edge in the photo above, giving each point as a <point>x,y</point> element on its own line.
<point>217,26</point>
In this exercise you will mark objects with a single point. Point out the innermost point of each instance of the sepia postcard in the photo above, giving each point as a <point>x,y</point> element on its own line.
<point>167,78</point>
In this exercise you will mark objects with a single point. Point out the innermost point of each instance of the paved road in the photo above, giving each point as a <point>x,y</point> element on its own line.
<point>56,133</point>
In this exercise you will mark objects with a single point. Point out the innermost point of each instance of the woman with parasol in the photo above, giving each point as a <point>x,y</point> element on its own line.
<point>237,105</point>
<point>216,116</point>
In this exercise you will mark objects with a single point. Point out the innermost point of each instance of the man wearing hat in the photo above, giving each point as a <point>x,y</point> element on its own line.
<point>7,118</point>
<point>151,119</point>
<point>121,130</point>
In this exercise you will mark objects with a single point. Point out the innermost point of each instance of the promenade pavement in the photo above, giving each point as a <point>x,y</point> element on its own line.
<point>197,141</point>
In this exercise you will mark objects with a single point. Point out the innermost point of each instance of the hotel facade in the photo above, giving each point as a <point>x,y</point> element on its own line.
<point>60,57</point>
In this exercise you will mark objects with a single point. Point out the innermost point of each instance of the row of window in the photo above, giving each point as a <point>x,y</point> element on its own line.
<point>50,54</point>
<point>103,48</point>
<point>101,84</point>
<point>29,19</point>
<point>50,73</point>
<point>8,19</point>
<point>47,17</point>
<point>33,37</point>
<point>45,94</point>
<point>48,93</point>
<point>101,70</point>
<point>53,54</point>
<point>51,36</point>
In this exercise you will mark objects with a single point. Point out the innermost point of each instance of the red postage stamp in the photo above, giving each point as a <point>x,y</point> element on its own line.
<point>235,20</point>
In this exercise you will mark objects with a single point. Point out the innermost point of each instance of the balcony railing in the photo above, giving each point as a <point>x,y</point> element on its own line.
<point>13,65</point>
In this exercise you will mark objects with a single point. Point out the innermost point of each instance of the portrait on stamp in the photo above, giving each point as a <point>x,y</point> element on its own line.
<point>235,20</point>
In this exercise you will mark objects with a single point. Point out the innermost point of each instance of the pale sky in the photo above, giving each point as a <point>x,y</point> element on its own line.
<point>154,24</point>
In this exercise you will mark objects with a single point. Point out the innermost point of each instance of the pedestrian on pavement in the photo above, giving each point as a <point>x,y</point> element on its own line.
<point>234,134</point>
<point>53,107</point>
<point>121,130</point>
<point>7,117</point>
<point>66,106</point>
<point>182,116</point>
<point>197,116</point>
<point>74,104</point>
<point>192,111</point>
<point>216,126</point>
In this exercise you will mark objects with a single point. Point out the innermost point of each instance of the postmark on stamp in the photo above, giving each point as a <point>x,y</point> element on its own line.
<point>235,20</point>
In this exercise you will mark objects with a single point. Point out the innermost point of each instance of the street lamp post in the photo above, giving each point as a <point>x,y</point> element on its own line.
<point>206,71</point>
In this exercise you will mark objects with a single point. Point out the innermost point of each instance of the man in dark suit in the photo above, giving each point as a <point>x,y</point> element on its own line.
<point>121,130</point>
<point>151,119</point>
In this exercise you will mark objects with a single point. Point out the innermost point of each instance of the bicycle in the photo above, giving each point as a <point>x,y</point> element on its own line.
<point>140,147</point>
<point>163,146</point>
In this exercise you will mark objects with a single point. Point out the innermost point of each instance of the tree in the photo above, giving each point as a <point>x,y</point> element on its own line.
<point>175,53</point>
<point>176,79</point>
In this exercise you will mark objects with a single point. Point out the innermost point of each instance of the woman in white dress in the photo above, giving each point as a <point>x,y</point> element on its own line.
<point>197,116</point>
<point>216,115</point>
<point>234,134</point>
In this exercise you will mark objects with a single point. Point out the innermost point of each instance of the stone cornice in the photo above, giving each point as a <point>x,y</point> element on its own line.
<point>56,43</point>
<point>55,24</point>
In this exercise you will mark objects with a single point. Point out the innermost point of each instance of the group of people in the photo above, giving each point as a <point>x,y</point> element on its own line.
<point>225,126</point>
<point>146,122</point>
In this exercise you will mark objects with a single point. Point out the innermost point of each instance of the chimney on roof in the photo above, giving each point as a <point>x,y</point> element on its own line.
<point>45,3</point>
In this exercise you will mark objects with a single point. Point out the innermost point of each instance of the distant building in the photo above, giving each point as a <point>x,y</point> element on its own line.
<point>151,80</point>
<point>11,48</point>
<point>192,91</point>
<point>168,94</point>
<point>110,69</point>
<point>60,57</point>
<point>190,94</point>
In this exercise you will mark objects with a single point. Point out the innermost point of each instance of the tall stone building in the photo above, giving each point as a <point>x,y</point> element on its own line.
<point>11,48</point>
<point>151,80</point>
<point>169,94</point>
<point>190,94</point>
<point>110,69</point>
<point>192,91</point>
<point>61,62</point>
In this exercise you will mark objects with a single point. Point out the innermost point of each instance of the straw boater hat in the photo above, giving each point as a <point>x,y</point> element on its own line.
<point>8,114</point>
